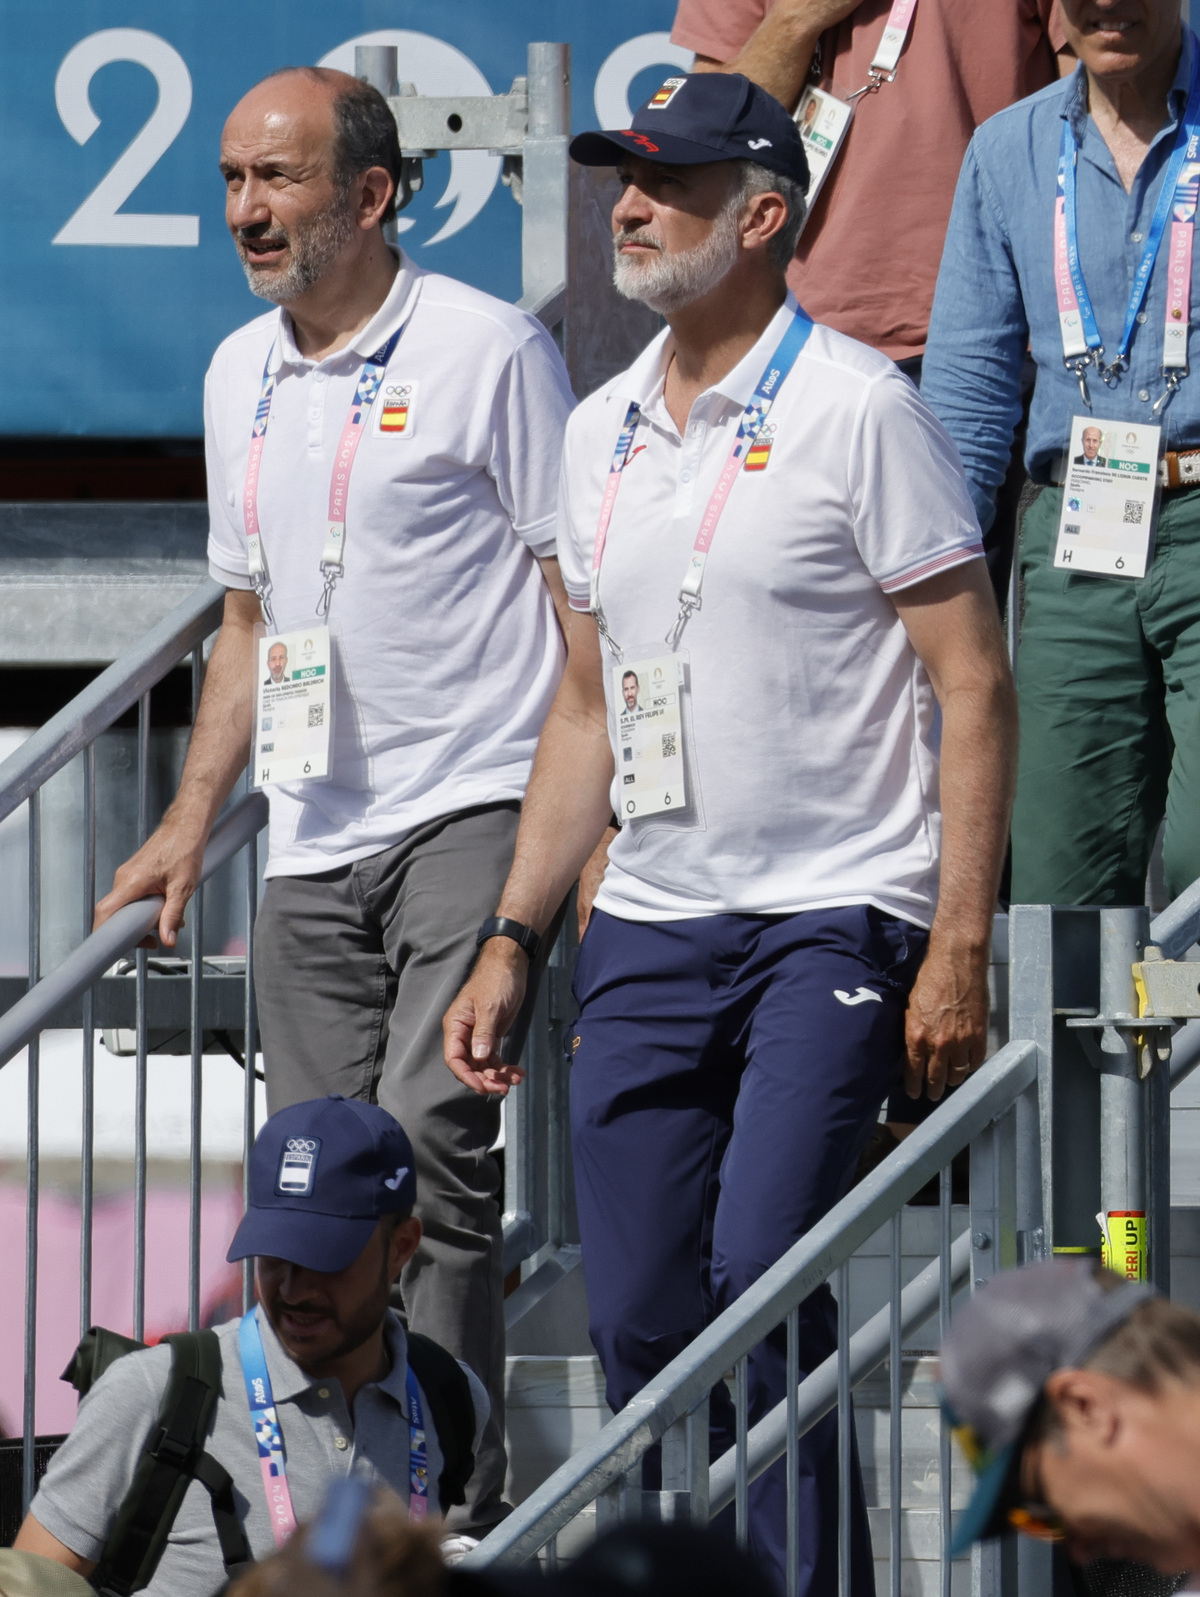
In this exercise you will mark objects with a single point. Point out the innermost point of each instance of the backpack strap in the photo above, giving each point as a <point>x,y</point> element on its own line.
<point>448,1393</point>
<point>172,1457</point>
<point>95,1353</point>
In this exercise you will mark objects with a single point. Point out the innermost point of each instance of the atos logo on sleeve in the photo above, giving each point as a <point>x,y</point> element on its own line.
<point>298,1166</point>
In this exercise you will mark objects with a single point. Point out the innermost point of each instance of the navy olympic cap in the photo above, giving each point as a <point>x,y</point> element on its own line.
<point>321,1175</point>
<point>703,116</point>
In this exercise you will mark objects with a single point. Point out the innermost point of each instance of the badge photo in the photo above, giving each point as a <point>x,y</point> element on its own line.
<point>396,408</point>
<point>298,1166</point>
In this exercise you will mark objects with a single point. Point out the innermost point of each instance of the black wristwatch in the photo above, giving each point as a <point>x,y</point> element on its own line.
<point>501,926</point>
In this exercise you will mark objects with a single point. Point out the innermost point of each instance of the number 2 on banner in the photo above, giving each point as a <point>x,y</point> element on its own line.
<point>99,220</point>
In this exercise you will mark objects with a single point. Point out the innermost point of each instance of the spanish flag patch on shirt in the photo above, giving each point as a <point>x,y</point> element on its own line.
<point>760,450</point>
<point>395,409</point>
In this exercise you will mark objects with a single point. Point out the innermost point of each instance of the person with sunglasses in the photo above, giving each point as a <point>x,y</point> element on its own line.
<point>1075,1396</point>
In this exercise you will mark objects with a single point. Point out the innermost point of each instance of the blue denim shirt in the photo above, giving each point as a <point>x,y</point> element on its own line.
<point>995,291</point>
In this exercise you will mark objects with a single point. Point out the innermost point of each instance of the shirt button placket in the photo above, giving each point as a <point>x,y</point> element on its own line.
<point>318,388</point>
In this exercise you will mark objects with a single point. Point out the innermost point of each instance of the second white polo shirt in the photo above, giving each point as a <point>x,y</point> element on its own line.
<point>813,727</point>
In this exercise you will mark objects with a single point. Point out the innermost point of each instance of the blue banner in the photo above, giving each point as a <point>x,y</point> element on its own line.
<point>117,275</point>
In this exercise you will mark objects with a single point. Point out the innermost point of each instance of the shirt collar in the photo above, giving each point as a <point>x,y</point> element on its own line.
<point>288,1380</point>
<point>393,313</point>
<point>643,382</point>
<point>1075,105</point>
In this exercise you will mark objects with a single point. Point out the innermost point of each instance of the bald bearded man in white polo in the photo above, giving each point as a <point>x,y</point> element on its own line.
<point>382,459</point>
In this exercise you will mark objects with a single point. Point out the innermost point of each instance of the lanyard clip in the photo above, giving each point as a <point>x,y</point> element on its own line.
<point>602,629</point>
<point>877,77</point>
<point>262,589</point>
<point>688,604</point>
<point>1079,367</point>
<point>1164,399</point>
<point>331,574</point>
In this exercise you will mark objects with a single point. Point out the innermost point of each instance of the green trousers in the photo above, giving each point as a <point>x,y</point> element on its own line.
<point>1108,674</point>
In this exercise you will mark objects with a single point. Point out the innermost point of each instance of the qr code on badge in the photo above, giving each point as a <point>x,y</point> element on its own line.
<point>316,715</point>
<point>1133,512</point>
<point>670,747</point>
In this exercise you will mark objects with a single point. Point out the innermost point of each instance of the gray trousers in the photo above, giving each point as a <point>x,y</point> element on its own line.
<point>354,969</point>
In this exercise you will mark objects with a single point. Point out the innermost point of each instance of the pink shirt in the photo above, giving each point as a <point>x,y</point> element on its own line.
<point>868,258</point>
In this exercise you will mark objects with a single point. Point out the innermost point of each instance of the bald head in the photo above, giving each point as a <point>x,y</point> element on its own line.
<point>311,160</point>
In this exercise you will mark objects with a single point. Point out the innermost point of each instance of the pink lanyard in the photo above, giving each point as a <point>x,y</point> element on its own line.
<point>891,46</point>
<point>332,563</point>
<point>753,417</point>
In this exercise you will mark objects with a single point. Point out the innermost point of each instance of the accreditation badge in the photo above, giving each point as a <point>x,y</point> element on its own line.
<point>293,701</point>
<point>649,734</point>
<point>824,121</point>
<point>1109,498</point>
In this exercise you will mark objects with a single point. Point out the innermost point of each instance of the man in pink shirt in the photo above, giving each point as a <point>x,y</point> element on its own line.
<point>869,254</point>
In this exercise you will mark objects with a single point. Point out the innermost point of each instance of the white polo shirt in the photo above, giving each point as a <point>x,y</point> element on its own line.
<point>446,648</point>
<point>813,746</point>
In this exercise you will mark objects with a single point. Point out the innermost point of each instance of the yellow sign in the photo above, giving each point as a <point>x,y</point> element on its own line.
<point>1124,1247</point>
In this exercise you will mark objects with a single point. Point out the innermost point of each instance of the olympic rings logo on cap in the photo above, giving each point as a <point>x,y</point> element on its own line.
<point>301,1145</point>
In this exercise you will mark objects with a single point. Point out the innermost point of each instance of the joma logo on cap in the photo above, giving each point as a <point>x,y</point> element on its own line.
<point>298,1166</point>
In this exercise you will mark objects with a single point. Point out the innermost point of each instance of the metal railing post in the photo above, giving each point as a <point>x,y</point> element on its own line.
<point>32,1158</point>
<point>378,65</point>
<point>1031,1015</point>
<point>546,168</point>
<point>994,1228</point>
<point>87,1150</point>
<point>685,1467</point>
<point>1123,1095</point>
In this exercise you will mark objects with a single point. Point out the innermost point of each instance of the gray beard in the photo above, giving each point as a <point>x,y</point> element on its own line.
<point>315,247</point>
<point>666,283</point>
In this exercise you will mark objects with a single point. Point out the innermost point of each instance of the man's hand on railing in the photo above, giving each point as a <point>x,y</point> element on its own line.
<point>946,1025</point>
<point>480,1017</point>
<point>169,865</point>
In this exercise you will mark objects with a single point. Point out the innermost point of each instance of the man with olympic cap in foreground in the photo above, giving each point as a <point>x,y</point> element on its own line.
<point>764,530</point>
<point>1076,1397</point>
<point>317,1382</point>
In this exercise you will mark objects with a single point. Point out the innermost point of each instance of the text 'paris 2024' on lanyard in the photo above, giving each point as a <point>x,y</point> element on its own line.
<point>293,721</point>
<point>648,687</point>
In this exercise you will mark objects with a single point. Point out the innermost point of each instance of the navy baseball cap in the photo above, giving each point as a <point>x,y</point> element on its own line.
<point>321,1175</point>
<point>703,116</point>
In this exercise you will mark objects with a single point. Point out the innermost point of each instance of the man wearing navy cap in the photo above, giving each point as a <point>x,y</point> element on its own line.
<point>762,522</point>
<point>317,1382</point>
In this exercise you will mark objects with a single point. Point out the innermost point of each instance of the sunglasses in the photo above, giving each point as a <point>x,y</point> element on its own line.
<point>1037,1520</point>
<point>1031,1519</point>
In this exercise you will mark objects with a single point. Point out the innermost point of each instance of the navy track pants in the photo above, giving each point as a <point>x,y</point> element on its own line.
<point>726,1072</point>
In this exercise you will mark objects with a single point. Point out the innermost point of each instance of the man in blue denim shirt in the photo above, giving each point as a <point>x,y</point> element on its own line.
<point>1109,668</point>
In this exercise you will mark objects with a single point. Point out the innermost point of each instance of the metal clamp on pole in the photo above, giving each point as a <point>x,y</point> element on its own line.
<point>529,127</point>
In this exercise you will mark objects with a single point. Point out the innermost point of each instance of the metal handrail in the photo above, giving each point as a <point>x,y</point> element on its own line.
<point>817,1394</point>
<point>1178,927</point>
<point>114,691</point>
<point>690,1376</point>
<point>85,965</point>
